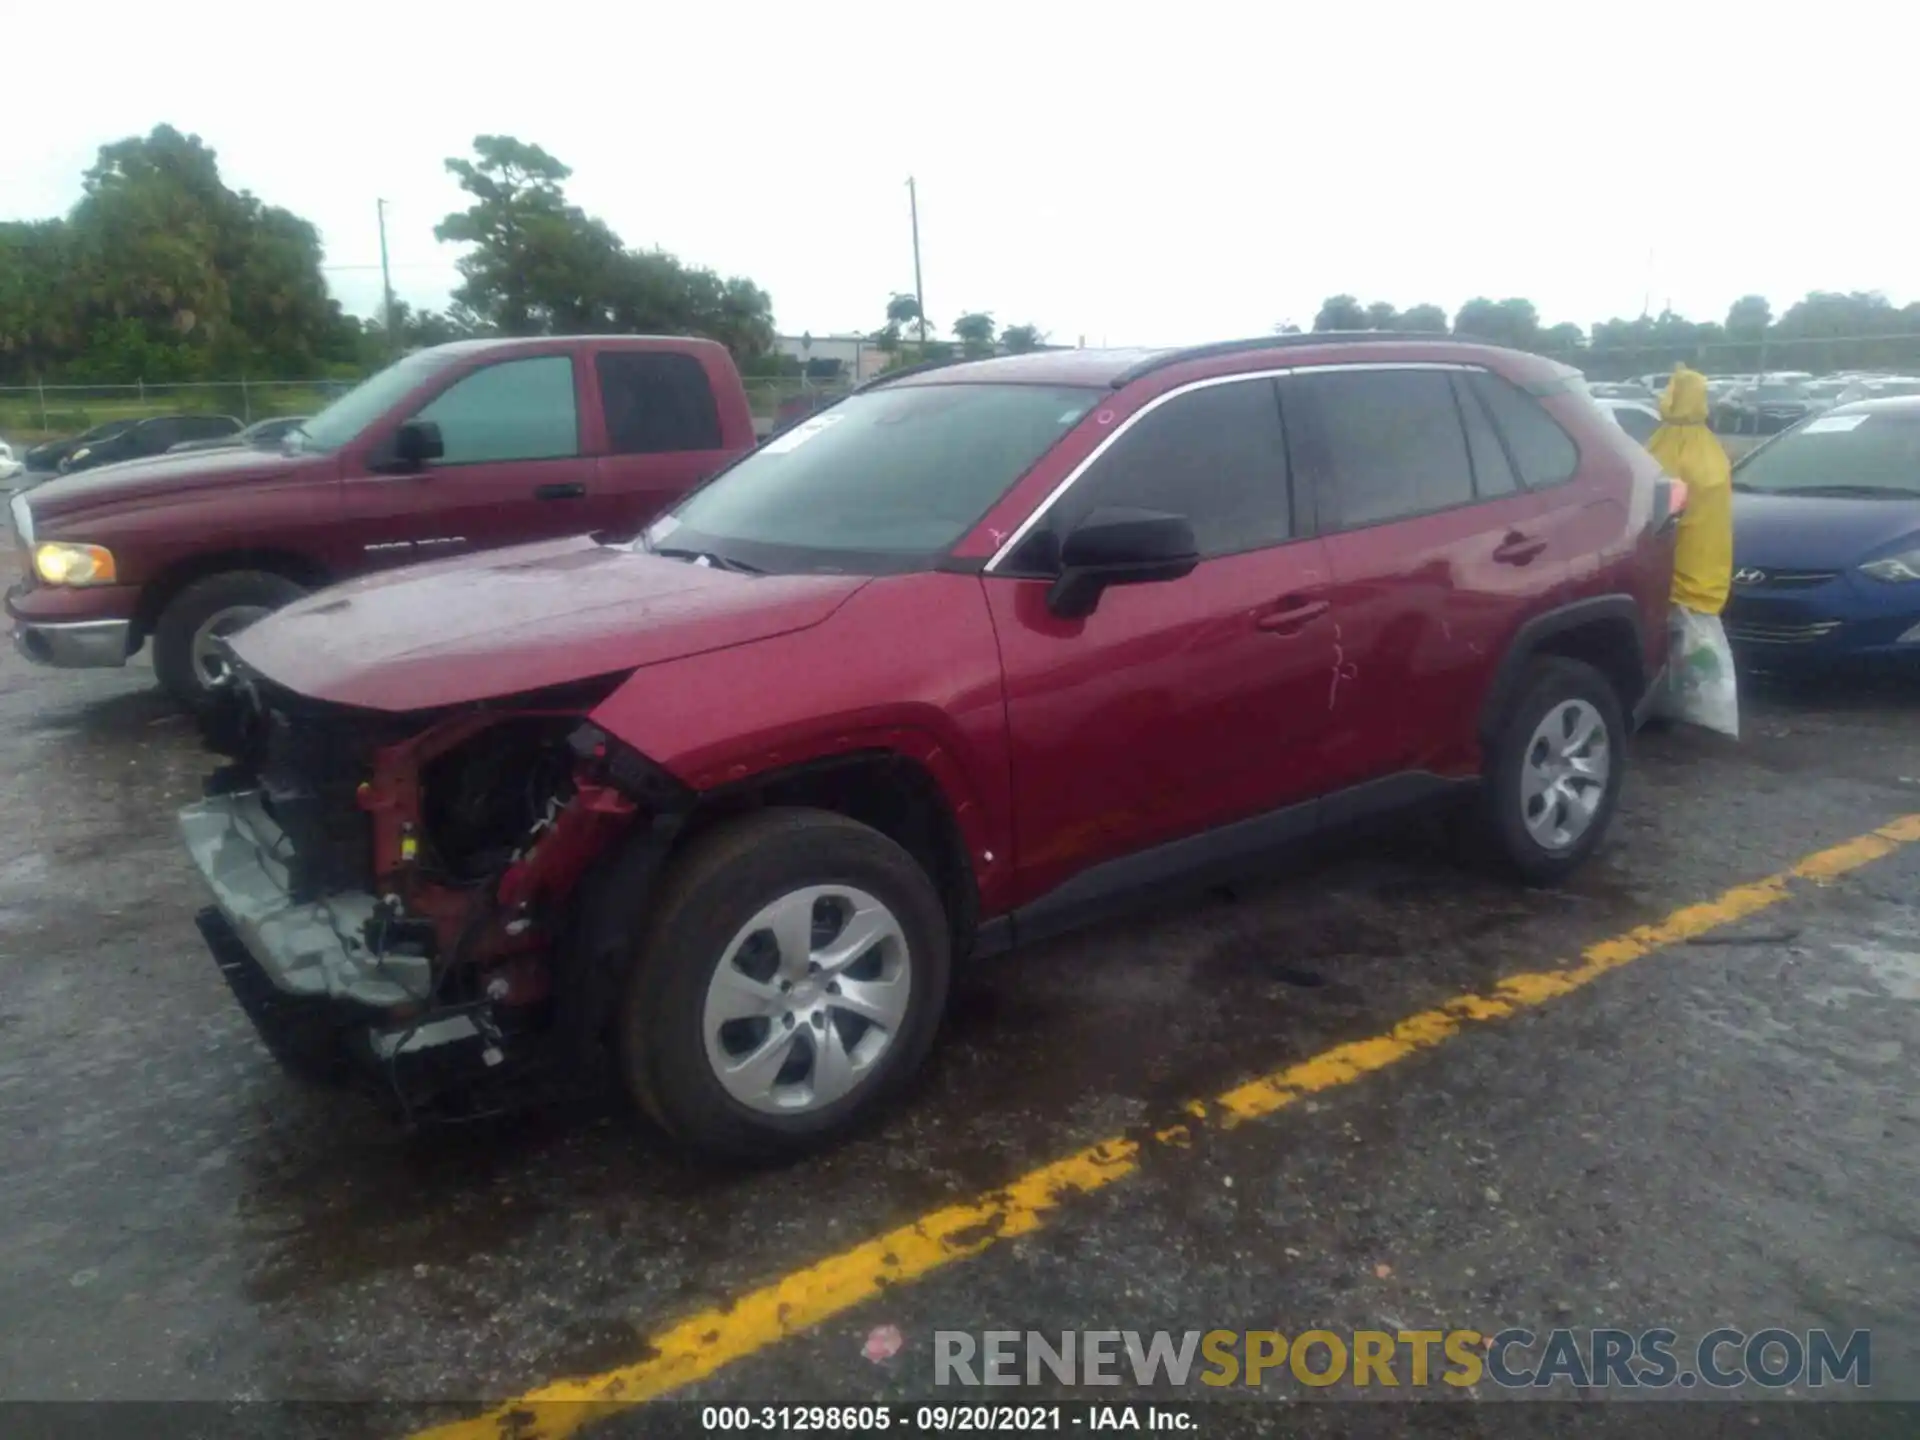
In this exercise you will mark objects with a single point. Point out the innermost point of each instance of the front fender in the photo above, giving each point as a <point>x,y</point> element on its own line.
<point>909,665</point>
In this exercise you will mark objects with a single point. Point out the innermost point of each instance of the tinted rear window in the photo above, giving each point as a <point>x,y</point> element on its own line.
<point>1542,451</point>
<point>1384,443</point>
<point>656,402</point>
<point>1492,474</point>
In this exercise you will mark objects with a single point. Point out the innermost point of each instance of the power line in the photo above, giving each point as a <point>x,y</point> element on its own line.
<point>396,265</point>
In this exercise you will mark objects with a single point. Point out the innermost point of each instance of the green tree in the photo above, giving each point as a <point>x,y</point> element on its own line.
<point>539,265</point>
<point>1503,322</point>
<point>1748,320</point>
<point>37,320</point>
<point>416,330</point>
<point>1382,316</point>
<point>1340,312</point>
<point>1750,315</point>
<point>1424,319</point>
<point>902,310</point>
<point>1828,330</point>
<point>975,332</point>
<point>1019,339</point>
<point>536,264</point>
<point>162,272</point>
<point>1564,340</point>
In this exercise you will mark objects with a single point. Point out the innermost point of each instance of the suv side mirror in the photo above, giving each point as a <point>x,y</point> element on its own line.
<point>1115,546</point>
<point>416,442</point>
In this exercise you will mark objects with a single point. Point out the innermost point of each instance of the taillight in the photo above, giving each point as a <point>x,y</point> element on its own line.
<point>1669,501</point>
<point>1676,499</point>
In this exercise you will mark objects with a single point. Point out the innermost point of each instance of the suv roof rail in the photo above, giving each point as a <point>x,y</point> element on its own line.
<point>905,370</point>
<point>1276,342</point>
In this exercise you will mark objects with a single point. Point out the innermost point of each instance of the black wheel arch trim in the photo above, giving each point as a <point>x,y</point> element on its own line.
<point>1532,638</point>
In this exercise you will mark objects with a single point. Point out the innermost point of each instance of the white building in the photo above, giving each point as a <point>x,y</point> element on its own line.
<point>834,357</point>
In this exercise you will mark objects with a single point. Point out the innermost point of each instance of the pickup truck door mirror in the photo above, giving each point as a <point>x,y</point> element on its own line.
<point>415,443</point>
<point>1114,546</point>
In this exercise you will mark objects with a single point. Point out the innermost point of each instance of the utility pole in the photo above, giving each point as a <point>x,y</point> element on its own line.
<point>386,279</point>
<point>919,295</point>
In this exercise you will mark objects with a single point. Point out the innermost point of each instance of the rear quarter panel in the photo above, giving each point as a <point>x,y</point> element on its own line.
<point>908,665</point>
<point>1606,519</point>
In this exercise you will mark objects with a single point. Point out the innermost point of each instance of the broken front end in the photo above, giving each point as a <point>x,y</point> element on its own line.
<point>425,902</point>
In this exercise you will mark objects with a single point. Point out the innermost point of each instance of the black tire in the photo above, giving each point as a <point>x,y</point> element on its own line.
<point>711,891</point>
<point>1549,682</point>
<point>193,607</point>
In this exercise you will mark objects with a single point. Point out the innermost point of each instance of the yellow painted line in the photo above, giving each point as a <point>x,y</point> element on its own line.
<point>701,1344</point>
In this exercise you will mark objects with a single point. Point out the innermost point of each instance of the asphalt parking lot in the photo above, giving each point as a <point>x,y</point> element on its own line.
<point>1711,1122</point>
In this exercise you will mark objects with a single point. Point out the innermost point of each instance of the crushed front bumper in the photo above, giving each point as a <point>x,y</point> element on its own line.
<point>325,1003</point>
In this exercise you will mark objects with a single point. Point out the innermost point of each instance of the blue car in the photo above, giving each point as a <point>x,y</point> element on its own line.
<point>1826,539</point>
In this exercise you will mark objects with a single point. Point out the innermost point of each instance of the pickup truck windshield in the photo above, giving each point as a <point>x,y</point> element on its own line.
<point>365,403</point>
<point>881,482</point>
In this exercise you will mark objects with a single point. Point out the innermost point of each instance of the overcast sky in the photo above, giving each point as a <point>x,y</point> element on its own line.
<point>1130,173</point>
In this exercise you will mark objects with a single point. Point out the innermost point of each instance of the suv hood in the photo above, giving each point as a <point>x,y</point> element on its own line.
<point>162,474</point>
<point>1817,532</point>
<point>512,621</point>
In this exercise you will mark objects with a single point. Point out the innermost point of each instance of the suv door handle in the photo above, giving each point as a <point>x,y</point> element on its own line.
<point>1518,548</point>
<point>567,490</point>
<point>1285,617</point>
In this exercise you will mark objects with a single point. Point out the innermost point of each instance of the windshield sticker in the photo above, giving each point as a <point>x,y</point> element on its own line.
<point>1831,424</point>
<point>800,434</point>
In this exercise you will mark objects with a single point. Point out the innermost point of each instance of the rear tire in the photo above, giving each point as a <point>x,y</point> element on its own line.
<point>755,1025</point>
<point>1553,774</point>
<point>218,605</point>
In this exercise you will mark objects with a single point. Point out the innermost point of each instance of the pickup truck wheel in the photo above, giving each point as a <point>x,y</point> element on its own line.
<point>1553,776</point>
<point>789,984</point>
<point>186,654</point>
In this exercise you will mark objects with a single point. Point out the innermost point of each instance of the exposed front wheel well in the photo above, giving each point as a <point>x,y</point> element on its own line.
<point>887,791</point>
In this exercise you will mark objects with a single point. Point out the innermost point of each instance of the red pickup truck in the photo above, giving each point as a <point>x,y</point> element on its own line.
<point>458,448</point>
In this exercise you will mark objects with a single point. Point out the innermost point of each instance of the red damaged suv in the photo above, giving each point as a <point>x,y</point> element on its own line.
<point>980,653</point>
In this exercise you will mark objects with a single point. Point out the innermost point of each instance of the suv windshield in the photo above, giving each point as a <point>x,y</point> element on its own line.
<point>1837,455</point>
<point>881,482</point>
<point>366,402</point>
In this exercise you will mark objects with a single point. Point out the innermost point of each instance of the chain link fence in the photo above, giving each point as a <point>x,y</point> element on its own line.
<point>35,412</point>
<point>1814,354</point>
<point>31,413</point>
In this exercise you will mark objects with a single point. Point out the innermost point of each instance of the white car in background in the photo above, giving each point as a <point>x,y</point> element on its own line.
<point>10,465</point>
<point>1636,417</point>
